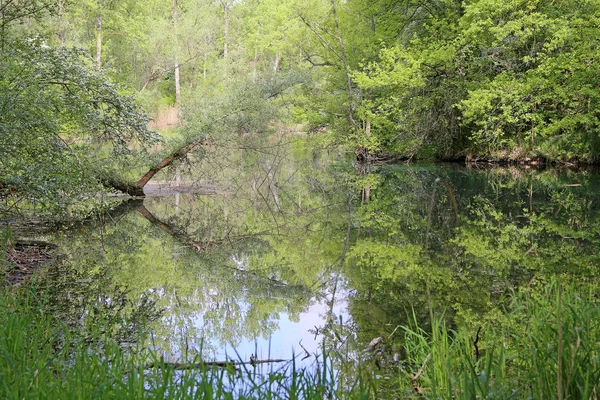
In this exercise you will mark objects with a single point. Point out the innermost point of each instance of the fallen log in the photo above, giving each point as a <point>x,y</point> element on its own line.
<point>136,189</point>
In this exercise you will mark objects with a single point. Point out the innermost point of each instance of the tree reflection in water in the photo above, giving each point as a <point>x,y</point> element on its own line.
<point>275,241</point>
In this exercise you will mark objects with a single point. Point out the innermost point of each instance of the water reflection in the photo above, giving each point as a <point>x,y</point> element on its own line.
<point>443,239</point>
<point>235,259</point>
<point>265,250</point>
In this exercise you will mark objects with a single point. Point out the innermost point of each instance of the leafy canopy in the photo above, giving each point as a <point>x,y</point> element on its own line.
<point>58,115</point>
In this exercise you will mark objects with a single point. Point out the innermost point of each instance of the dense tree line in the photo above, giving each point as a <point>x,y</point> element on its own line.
<point>484,76</point>
<point>431,78</point>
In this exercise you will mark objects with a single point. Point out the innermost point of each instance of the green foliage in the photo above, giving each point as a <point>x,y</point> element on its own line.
<point>245,112</point>
<point>487,76</point>
<point>59,117</point>
<point>534,83</point>
<point>545,347</point>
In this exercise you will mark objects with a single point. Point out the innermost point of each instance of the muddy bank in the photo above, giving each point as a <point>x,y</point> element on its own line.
<point>24,257</point>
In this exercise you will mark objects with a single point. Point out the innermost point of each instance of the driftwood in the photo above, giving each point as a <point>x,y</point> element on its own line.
<point>416,376</point>
<point>27,256</point>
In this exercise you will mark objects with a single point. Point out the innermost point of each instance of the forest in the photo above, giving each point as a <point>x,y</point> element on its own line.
<point>398,79</point>
<point>415,178</point>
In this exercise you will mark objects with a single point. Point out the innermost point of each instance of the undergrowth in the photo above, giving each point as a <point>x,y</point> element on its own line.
<point>547,346</point>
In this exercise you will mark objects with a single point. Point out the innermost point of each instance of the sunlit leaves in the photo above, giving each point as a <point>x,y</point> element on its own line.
<point>531,85</point>
<point>491,75</point>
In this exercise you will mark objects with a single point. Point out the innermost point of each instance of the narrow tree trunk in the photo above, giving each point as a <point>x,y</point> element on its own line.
<point>2,19</point>
<point>99,38</point>
<point>61,21</point>
<point>177,83</point>
<point>368,123</point>
<point>276,63</point>
<point>344,58</point>
<point>177,79</point>
<point>273,186</point>
<point>254,63</point>
<point>226,6</point>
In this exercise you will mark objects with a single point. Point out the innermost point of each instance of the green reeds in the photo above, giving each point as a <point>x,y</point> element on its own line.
<point>560,337</point>
<point>548,347</point>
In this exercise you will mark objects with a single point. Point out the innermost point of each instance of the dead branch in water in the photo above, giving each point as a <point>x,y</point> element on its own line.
<point>205,364</point>
<point>24,257</point>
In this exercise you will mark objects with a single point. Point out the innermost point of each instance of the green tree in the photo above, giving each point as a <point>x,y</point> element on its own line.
<point>484,76</point>
<point>61,121</point>
<point>534,85</point>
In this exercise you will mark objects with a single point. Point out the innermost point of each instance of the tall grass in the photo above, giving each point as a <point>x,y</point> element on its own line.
<point>547,347</point>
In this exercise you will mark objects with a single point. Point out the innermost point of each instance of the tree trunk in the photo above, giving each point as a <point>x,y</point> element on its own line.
<point>3,34</point>
<point>132,189</point>
<point>226,6</point>
<point>99,37</point>
<point>61,20</point>
<point>168,161</point>
<point>177,80</point>
<point>137,189</point>
<point>254,63</point>
<point>344,58</point>
<point>276,63</point>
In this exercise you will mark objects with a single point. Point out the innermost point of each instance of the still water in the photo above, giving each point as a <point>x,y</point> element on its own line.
<point>268,253</point>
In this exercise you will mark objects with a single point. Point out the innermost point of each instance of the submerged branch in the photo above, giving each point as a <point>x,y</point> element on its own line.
<point>205,364</point>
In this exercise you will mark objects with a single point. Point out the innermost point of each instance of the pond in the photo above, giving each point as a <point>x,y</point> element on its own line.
<point>267,253</point>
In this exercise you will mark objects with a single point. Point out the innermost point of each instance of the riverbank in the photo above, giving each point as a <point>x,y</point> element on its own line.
<point>500,158</point>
